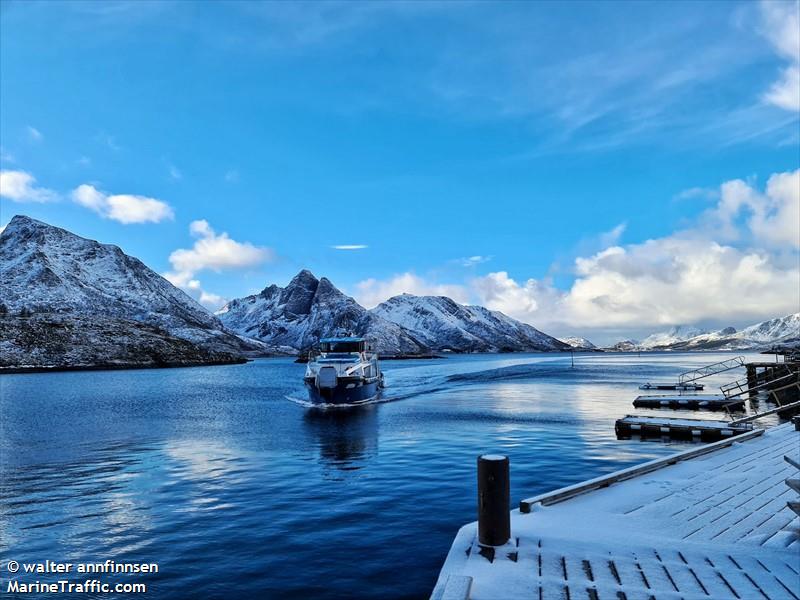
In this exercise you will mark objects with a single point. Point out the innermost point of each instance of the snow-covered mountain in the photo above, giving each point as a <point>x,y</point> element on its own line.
<point>308,309</point>
<point>579,343</point>
<point>783,331</point>
<point>69,301</point>
<point>443,324</point>
<point>625,346</point>
<point>780,331</point>
<point>679,333</point>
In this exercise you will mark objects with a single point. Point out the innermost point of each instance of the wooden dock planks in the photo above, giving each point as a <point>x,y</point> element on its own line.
<point>713,524</point>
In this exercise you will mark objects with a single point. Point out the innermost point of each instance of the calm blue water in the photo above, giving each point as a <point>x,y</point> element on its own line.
<point>237,492</point>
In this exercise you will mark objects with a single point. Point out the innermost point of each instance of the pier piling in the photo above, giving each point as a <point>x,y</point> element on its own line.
<point>494,519</point>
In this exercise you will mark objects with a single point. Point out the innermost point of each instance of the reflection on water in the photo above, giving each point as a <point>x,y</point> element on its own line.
<point>346,438</point>
<point>236,492</point>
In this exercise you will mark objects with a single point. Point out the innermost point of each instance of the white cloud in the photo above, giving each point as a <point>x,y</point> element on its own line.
<point>214,252</point>
<point>6,156</point>
<point>84,161</point>
<point>772,217</point>
<point>781,26</point>
<point>372,292</point>
<point>19,186</point>
<point>697,192</point>
<point>34,134</point>
<point>125,208</point>
<point>212,301</point>
<point>471,261</point>
<point>350,247</point>
<point>683,278</point>
<point>175,173</point>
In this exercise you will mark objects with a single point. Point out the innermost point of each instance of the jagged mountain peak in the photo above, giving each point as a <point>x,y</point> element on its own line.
<point>307,309</point>
<point>304,278</point>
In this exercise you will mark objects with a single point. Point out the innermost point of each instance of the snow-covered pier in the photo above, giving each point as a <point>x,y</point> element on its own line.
<point>716,521</point>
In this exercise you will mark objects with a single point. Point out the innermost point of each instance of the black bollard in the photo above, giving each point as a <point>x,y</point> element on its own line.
<point>494,518</point>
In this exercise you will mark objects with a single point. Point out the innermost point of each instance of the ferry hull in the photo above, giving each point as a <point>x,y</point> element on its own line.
<point>343,393</point>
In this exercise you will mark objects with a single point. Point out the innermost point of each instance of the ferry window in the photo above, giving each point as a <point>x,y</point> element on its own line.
<point>342,346</point>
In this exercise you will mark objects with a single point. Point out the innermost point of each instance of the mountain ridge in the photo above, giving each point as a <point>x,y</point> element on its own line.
<point>114,308</point>
<point>783,330</point>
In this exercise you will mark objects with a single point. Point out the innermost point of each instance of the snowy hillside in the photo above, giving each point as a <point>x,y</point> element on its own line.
<point>442,324</point>
<point>680,333</point>
<point>579,343</point>
<point>780,331</point>
<point>307,309</point>
<point>52,274</point>
<point>783,330</point>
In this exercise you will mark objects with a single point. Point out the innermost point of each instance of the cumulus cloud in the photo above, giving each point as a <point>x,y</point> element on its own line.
<point>772,218</point>
<point>683,278</point>
<point>19,186</point>
<point>372,292</point>
<point>211,251</point>
<point>124,208</point>
<point>781,26</point>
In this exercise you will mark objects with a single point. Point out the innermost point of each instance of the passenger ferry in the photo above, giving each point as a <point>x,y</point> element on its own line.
<point>343,371</point>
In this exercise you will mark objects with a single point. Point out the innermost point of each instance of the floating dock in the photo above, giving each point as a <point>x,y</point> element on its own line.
<point>703,429</point>
<point>688,401</point>
<point>691,387</point>
<point>714,522</point>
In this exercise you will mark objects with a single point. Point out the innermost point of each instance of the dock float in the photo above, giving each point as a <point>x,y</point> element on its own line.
<point>714,522</point>
<point>688,401</point>
<point>705,429</point>
<point>691,387</point>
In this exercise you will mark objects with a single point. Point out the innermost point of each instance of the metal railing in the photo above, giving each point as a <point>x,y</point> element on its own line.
<point>712,369</point>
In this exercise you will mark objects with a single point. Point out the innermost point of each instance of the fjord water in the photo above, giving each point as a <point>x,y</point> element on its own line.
<point>236,491</point>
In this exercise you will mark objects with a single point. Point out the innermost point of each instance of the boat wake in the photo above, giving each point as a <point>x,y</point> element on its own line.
<point>305,403</point>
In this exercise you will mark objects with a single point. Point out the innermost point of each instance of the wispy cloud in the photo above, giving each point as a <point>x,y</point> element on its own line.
<point>232,176</point>
<point>107,140</point>
<point>34,134</point>
<point>123,208</point>
<point>472,261</point>
<point>20,186</point>
<point>350,247</point>
<point>6,156</point>
<point>175,173</point>
<point>697,192</point>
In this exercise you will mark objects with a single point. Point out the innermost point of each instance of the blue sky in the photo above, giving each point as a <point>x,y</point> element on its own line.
<point>497,152</point>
